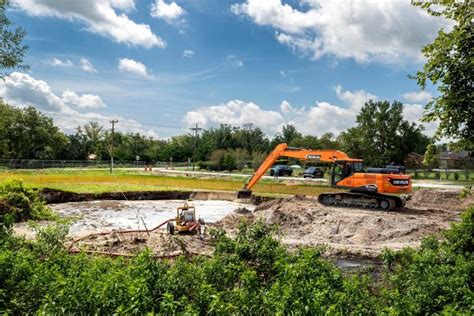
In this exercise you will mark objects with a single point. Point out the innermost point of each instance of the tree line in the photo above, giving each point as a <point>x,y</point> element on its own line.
<point>381,136</point>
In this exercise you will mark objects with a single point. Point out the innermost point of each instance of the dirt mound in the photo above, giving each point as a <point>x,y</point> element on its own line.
<point>303,221</point>
<point>442,200</point>
<point>160,243</point>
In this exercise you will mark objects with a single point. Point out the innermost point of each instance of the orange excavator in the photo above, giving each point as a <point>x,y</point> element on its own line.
<point>367,188</point>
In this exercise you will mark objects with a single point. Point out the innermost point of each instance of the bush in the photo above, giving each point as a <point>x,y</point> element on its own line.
<point>438,277</point>
<point>251,273</point>
<point>19,203</point>
<point>456,176</point>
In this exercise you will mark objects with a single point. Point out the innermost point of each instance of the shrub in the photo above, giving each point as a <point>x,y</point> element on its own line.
<point>456,176</point>
<point>251,273</point>
<point>19,203</point>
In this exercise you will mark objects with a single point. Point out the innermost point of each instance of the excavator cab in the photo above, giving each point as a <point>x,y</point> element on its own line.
<point>342,169</point>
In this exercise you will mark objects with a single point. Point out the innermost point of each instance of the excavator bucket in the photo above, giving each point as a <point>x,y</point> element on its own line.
<point>244,194</point>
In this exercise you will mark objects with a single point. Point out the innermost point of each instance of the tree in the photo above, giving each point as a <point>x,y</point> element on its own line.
<point>450,66</point>
<point>430,160</point>
<point>78,147</point>
<point>328,141</point>
<point>288,134</point>
<point>94,133</point>
<point>12,51</point>
<point>307,141</point>
<point>382,135</point>
<point>27,133</point>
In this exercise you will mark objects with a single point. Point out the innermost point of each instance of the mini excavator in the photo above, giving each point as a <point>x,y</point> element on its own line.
<point>366,188</point>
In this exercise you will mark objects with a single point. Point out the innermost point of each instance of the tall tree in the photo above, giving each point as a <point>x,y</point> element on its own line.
<point>95,134</point>
<point>27,133</point>
<point>450,66</point>
<point>382,135</point>
<point>12,51</point>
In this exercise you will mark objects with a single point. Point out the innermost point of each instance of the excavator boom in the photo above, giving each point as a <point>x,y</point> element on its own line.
<point>282,150</point>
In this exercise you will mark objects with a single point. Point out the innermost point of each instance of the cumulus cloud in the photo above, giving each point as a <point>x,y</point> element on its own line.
<point>170,12</point>
<point>23,90</point>
<point>87,66</point>
<point>56,62</point>
<point>320,118</point>
<point>99,17</point>
<point>134,67</point>
<point>188,53</point>
<point>420,96</point>
<point>236,112</point>
<point>86,101</point>
<point>365,30</point>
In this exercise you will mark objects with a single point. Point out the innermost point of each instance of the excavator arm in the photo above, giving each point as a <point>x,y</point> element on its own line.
<point>282,150</point>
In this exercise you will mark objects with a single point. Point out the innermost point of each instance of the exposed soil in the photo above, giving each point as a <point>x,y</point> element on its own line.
<point>53,196</point>
<point>305,222</point>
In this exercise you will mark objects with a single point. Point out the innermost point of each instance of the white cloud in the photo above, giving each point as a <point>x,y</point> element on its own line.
<point>56,62</point>
<point>414,112</point>
<point>22,90</point>
<point>365,30</point>
<point>99,17</point>
<point>420,96</point>
<point>320,118</point>
<point>237,113</point>
<point>86,101</point>
<point>87,66</point>
<point>170,12</point>
<point>133,66</point>
<point>188,53</point>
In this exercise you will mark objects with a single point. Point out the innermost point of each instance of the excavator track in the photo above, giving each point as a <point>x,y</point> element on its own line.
<point>362,199</point>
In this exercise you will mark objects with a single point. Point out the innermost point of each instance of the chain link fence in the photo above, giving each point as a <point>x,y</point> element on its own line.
<point>75,164</point>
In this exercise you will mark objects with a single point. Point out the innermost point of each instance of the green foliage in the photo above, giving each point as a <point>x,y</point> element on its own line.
<point>430,158</point>
<point>438,277</point>
<point>382,135</point>
<point>251,273</point>
<point>12,51</point>
<point>450,66</point>
<point>19,203</point>
<point>27,133</point>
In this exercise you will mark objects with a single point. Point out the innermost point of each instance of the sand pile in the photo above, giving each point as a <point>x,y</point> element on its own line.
<point>303,221</point>
<point>441,200</point>
<point>160,243</point>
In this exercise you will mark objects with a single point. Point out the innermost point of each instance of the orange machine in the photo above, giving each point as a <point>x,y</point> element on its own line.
<point>367,187</point>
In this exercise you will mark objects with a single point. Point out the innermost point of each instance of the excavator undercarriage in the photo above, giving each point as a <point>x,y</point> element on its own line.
<point>360,199</point>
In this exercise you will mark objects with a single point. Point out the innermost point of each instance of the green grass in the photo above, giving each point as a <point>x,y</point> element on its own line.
<point>449,176</point>
<point>97,181</point>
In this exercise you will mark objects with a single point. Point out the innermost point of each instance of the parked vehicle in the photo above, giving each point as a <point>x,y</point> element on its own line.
<point>281,170</point>
<point>313,172</point>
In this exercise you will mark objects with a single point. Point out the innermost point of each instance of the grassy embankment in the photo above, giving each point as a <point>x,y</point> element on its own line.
<point>102,181</point>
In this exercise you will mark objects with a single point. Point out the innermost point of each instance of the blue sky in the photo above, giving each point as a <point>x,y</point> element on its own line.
<point>310,63</point>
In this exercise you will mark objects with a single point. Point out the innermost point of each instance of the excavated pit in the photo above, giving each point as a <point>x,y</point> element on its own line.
<point>346,232</point>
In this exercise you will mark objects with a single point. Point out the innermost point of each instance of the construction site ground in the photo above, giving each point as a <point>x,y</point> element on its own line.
<point>302,221</point>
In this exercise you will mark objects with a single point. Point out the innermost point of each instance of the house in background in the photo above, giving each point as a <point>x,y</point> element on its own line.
<point>456,160</point>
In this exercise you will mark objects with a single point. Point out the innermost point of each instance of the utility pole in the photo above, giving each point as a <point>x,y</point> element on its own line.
<point>113,122</point>
<point>196,129</point>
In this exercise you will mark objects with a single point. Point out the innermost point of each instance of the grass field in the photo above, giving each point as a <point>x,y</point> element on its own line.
<point>102,181</point>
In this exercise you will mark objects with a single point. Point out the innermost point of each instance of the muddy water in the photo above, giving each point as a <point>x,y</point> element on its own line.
<point>98,216</point>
